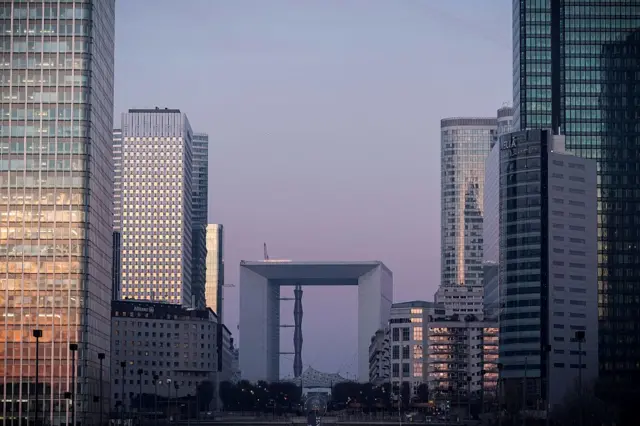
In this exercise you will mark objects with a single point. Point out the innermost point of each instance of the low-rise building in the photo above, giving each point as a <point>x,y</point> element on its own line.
<point>174,344</point>
<point>408,342</point>
<point>462,357</point>
<point>380,358</point>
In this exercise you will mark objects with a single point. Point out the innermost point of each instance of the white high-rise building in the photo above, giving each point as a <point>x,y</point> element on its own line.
<point>156,201</point>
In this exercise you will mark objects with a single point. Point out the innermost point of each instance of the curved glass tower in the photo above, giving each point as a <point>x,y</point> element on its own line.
<point>56,115</point>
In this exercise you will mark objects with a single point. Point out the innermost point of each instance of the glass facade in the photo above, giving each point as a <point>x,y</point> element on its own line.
<point>576,69</point>
<point>215,269</point>
<point>56,113</point>
<point>199,233</point>
<point>465,143</point>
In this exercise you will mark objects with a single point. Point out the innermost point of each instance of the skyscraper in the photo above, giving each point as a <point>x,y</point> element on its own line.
<point>465,143</point>
<point>199,232</point>
<point>116,268</point>
<point>490,219</point>
<point>548,248</point>
<point>156,205</point>
<point>56,78</point>
<point>215,269</point>
<point>576,71</point>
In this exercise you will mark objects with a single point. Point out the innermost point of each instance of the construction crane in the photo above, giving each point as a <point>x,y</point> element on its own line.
<point>266,253</point>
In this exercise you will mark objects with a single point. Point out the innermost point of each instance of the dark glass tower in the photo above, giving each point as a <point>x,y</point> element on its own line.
<point>576,69</point>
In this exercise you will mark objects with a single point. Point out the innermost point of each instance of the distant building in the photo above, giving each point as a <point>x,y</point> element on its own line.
<point>465,143</point>
<point>548,293</point>
<point>214,285</point>
<point>175,343</point>
<point>491,234</point>
<point>156,205</point>
<point>199,218</point>
<point>117,179</point>
<point>408,342</point>
<point>461,299</point>
<point>504,121</point>
<point>462,356</point>
<point>380,358</point>
<point>116,266</point>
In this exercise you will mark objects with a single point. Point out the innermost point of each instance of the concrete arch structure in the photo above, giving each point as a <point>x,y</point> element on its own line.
<point>260,284</point>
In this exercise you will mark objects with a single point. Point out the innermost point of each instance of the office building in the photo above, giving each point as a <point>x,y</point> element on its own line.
<point>116,266</point>
<point>176,344</point>
<point>461,299</point>
<point>199,220</point>
<point>214,285</point>
<point>491,234</point>
<point>408,342</point>
<point>574,69</point>
<point>156,229</point>
<point>465,143</point>
<point>56,219</point>
<point>461,359</point>
<point>504,121</point>
<point>380,358</point>
<point>548,269</point>
<point>117,179</point>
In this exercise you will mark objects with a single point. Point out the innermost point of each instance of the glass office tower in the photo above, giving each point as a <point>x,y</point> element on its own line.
<point>465,143</point>
<point>576,71</point>
<point>56,114</point>
<point>199,222</point>
<point>215,268</point>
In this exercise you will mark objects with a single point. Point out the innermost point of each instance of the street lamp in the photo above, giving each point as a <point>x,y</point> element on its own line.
<point>140,394</point>
<point>123,365</point>
<point>188,409</point>
<point>155,408</point>
<point>168,397</point>
<point>37,334</point>
<point>500,365</point>
<point>73,347</point>
<point>579,337</point>
<point>101,357</point>
<point>469,394</point>
<point>176,386</point>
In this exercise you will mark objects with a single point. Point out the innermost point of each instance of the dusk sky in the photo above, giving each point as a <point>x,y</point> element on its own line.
<point>324,127</point>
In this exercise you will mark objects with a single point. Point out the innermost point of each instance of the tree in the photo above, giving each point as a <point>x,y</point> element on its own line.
<point>423,393</point>
<point>204,395</point>
<point>406,395</point>
<point>584,409</point>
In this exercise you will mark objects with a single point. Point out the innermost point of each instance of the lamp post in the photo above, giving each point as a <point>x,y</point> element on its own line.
<point>176,386</point>
<point>155,404</point>
<point>140,394</point>
<point>123,365</point>
<point>469,395</point>
<point>579,337</point>
<point>168,397</point>
<point>73,347</point>
<point>37,334</point>
<point>547,350</point>
<point>101,357</point>
<point>188,409</point>
<point>499,394</point>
